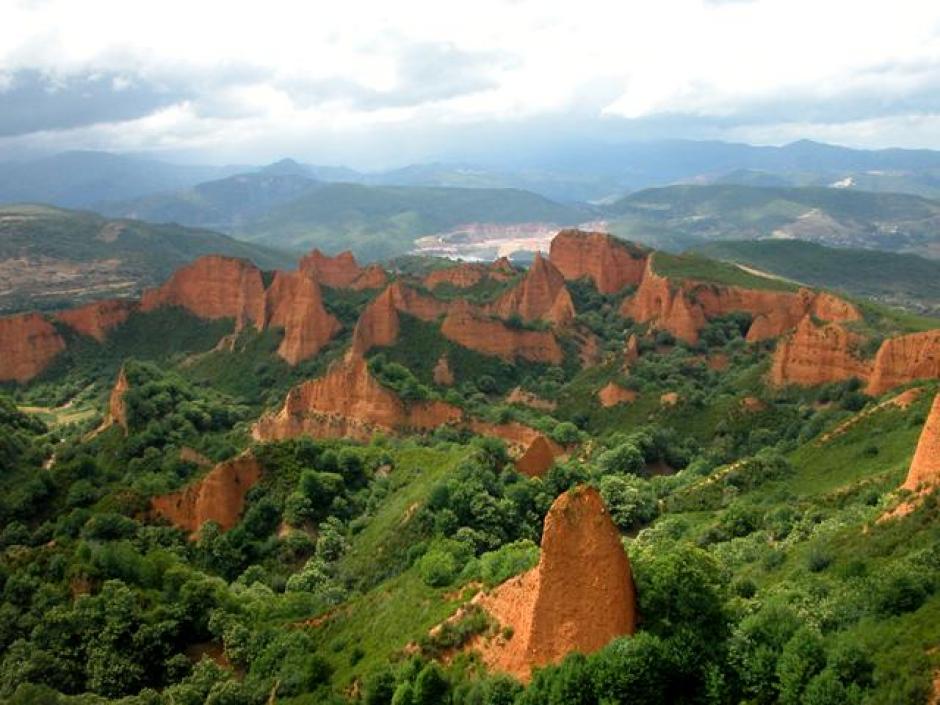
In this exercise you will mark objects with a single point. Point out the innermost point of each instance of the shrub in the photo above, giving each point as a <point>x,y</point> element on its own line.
<point>437,568</point>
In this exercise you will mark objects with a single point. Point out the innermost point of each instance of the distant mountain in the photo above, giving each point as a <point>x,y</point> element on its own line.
<point>51,257</point>
<point>678,217</point>
<point>226,204</point>
<point>903,280</point>
<point>377,222</point>
<point>81,179</point>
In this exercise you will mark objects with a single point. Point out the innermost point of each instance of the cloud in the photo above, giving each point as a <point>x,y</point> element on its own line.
<point>217,76</point>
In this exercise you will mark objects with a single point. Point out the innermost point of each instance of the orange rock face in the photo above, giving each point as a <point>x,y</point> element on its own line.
<point>28,344</point>
<point>817,355</point>
<point>379,324</point>
<point>214,287</point>
<point>578,598</point>
<point>541,295</point>
<point>97,318</point>
<point>442,373</point>
<point>904,359</point>
<point>613,394</point>
<point>631,351</point>
<point>539,456</point>
<point>218,497</point>
<point>925,467</point>
<point>474,330</point>
<point>294,303</point>
<point>349,402</point>
<point>117,408</point>
<point>342,271</point>
<point>520,396</point>
<point>462,276</point>
<point>610,263</point>
<point>683,308</point>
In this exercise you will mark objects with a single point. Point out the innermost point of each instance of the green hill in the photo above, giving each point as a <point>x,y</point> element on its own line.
<point>51,257</point>
<point>378,222</point>
<point>902,280</point>
<point>678,217</point>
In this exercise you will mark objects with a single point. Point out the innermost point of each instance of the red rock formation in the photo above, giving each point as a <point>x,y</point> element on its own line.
<point>379,323</point>
<point>96,319</point>
<point>28,344</point>
<point>817,355</point>
<point>612,264</point>
<point>613,394</point>
<point>214,287</point>
<point>474,330</point>
<point>520,396</point>
<point>461,276</point>
<point>684,307</point>
<point>294,303</point>
<point>631,351</point>
<point>342,271</point>
<point>117,408</point>
<point>925,467</point>
<point>349,402</point>
<point>904,359</point>
<point>669,399</point>
<point>219,496</point>
<point>539,456</point>
<point>578,598</point>
<point>518,436</point>
<point>541,295</point>
<point>442,374</point>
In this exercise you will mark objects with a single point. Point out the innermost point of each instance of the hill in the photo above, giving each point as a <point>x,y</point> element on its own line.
<point>908,281</point>
<point>619,476</point>
<point>83,179</point>
<point>51,257</point>
<point>677,217</point>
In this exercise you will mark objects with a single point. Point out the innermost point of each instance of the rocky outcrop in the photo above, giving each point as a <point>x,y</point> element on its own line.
<point>578,598</point>
<point>904,359</point>
<point>612,264</point>
<point>817,355</point>
<point>925,467</point>
<point>294,303</point>
<point>214,287</point>
<point>117,407</point>
<point>613,394</point>
<point>539,457</point>
<point>518,395</point>
<point>669,399</point>
<point>631,351</point>
<point>683,308</point>
<point>28,344</point>
<point>96,319</point>
<point>473,329</point>
<point>219,496</point>
<point>442,373</point>
<point>541,295</point>
<point>349,402</point>
<point>378,325</point>
<point>342,271</point>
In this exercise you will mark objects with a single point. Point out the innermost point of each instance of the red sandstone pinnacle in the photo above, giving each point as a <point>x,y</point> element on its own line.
<point>117,407</point>
<point>539,456</point>
<point>925,467</point>
<point>28,344</point>
<point>214,287</point>
<point>96,319</point>
<point>610,263</point>
<point>342,271</point>
<point>473,329</point>
<point>817,355</point>
<point>541,295</point>
<point>612,394</point>
<point>578,598</point>
<point>294,302</point>
<point>904,359</point>
<point>219,496</point>
<point>442,374</point>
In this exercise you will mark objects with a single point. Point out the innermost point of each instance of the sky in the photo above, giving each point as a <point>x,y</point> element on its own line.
<point>376,84</point>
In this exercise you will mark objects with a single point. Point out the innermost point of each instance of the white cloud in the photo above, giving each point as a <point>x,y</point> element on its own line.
<point>239,71</point>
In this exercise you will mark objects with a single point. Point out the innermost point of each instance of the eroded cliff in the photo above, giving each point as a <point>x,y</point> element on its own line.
<point>28,344</point>
<point>610,263</point>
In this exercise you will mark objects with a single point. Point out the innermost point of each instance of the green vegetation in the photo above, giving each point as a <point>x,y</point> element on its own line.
<point>894,279</point>
<point>55,240</point>
<point>749,513</point>
<point>698,268</point>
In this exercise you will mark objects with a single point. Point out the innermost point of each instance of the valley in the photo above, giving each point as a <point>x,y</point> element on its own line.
<point>661,477</point>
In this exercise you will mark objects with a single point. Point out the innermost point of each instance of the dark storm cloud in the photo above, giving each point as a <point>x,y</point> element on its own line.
<point>32,101</point>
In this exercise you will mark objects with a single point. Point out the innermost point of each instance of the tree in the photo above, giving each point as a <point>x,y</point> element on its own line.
<point>625,458</point>
<point>802,658</point>
<point>630,501</point>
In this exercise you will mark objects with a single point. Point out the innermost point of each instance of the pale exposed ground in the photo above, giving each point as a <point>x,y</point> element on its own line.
<point>37,278</point>
<point>767,275</point>
<point>487,241</point>
<point>60,415</point>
